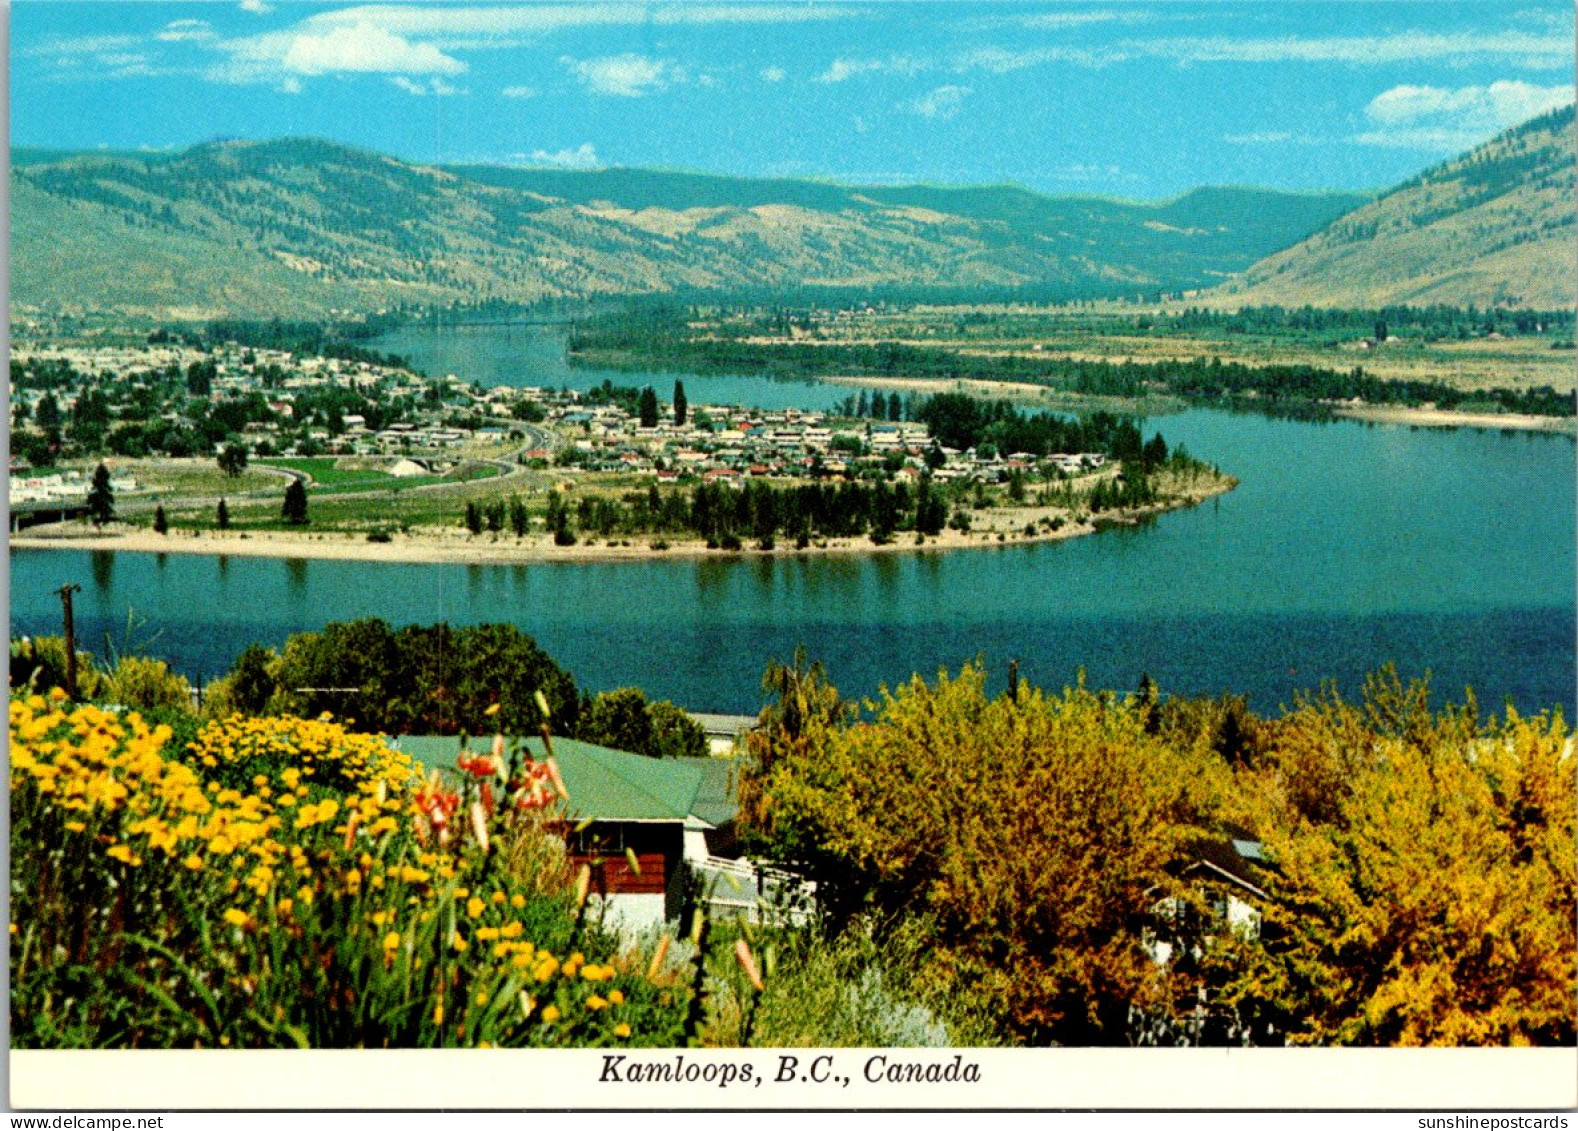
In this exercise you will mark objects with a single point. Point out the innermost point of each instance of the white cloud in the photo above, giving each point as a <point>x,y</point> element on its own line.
<point>434,86</point>
<point>1084,173</point>
<point>256,7</point>
<point>1062,20</point>
<point>1451,119</point>
<point>519,92</point>
<point>1523,48</point>
<point>290,85</point>
<point>1402,47</point>
<point>179,31</point>
<point>480,27</point>
<point>583,156</point>
<point>773,74</point>
<point>942,103</point>
<point>78,45</point>
<point>842,70</point>
<point>626,76</point>
<point>414,39</point>
<point>1002,61</point>
<point>365,48</point>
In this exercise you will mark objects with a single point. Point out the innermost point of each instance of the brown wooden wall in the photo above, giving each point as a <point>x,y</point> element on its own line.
<point>612,875</point>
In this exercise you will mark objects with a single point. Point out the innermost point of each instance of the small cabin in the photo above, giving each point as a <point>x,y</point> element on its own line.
<point>620,805</point>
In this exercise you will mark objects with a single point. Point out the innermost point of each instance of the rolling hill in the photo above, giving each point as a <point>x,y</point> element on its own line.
<point>301,226</point>
<point>1494,226</point>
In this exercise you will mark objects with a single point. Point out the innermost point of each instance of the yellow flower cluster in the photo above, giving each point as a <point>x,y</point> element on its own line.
<point>290,752</point>
<point>288,843</point>
<point>95,763</point>
<point>111,769</point>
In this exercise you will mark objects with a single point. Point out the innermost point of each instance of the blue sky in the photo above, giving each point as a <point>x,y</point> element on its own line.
<point>1130,99</point>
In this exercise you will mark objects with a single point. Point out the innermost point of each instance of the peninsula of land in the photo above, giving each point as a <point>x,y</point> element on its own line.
<point>990,527</point>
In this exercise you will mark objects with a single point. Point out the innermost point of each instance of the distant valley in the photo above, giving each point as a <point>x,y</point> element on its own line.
<point>298,227</point>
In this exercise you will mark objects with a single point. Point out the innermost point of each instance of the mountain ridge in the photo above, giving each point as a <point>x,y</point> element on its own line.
<point>301,225</point>
<point>1492,226</point>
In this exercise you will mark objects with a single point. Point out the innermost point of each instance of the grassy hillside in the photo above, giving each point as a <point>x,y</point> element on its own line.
<point>298,226</point>
<point>1494,226</point>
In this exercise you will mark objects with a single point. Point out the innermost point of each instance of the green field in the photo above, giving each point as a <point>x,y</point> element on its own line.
<point>327,473</point>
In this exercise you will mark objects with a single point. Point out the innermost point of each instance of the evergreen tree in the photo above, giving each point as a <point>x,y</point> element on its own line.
<point>101,498</point>
<point>295,508</point>
<point>47,414</point>
<point>648,408</point>
<point>161,525</point>
<point>473,518</point>
<point>222,516</point>
<point>200,377</point>
<point>681,405</point>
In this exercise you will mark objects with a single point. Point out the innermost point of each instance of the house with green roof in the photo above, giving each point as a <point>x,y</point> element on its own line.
<point>660,811</point>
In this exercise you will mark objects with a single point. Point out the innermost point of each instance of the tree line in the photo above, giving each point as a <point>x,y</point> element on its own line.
<point>442,679</point>
<point>651,345</point>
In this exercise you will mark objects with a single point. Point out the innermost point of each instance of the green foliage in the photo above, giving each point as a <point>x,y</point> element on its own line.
<point>294,509</point>
<point>863,988</point>
<point>960,421</point>
<point>38,663</point>
<point>146,684</point>
<point>418,680</point>
<point>101,498</point>
<point>647,408</point>
<point>233,459</point>
<point>627,720</point>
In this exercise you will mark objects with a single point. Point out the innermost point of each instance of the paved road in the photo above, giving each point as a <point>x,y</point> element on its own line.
<point>508,467</point>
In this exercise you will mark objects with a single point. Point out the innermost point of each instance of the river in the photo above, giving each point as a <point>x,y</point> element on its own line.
<point>1347,546</point>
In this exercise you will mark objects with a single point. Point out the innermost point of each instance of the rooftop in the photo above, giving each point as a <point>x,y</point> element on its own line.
<point>604,784</point>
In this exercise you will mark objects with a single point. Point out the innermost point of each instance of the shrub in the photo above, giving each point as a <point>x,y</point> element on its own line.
<point>148,685</point>
<point>1034,832</point>
<point>39,663</point>
<point>414,680</point>
<point>864,988</point>
<point>287,753</point>
<point>626,719</point>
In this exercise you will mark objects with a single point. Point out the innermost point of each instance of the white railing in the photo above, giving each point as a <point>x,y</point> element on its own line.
<point>755,892</point>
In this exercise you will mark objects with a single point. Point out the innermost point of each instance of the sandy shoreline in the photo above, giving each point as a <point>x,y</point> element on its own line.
<point>1004,527</point>
<point>1443,418</point>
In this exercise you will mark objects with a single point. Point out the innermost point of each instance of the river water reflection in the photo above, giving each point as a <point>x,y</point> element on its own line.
<point>1347,546</point>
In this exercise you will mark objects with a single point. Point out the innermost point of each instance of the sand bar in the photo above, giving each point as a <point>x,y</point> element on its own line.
<point>1444,418</point>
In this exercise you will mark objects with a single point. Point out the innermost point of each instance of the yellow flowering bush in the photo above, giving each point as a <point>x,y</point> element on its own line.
<point>157,903</point>
<point>290,753</point>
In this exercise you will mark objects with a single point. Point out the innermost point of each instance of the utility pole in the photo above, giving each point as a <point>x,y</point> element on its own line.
<point>71,638</point>
<point>1013,681</point>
